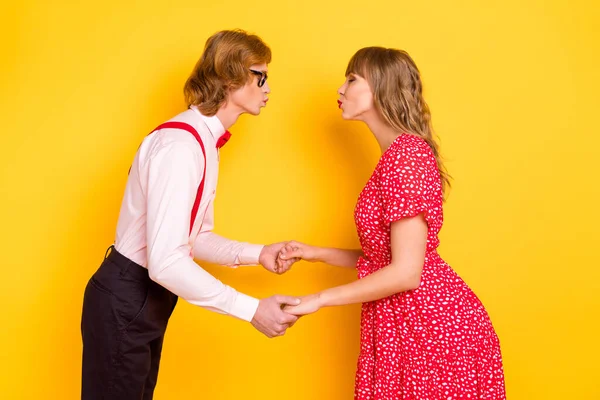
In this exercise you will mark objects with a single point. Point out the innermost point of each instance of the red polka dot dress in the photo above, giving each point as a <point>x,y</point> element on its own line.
<point>434,342</point>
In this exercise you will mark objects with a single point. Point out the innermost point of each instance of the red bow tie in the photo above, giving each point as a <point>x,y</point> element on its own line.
<point>223,139</point>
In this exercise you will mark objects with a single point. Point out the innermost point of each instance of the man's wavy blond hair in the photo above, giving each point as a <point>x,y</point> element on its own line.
<point>223,67</point>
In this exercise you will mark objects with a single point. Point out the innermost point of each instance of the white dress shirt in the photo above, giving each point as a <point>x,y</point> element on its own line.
<point>154,222</point>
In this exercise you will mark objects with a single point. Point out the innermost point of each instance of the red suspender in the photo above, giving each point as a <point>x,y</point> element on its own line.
<point>190,129</point>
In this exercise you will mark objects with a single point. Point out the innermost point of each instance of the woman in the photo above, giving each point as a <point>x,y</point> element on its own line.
<point>424,333</point>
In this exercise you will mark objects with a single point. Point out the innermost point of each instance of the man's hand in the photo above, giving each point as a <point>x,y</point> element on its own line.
<point>269,258</point>
<point>270,319</point>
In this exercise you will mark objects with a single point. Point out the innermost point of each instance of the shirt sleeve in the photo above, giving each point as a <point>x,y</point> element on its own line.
<point>219,250</point>
<point>213,248</point>
<point>174,175</point>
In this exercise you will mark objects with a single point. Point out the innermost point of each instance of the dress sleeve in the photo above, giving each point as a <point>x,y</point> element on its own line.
<point>404,182</point>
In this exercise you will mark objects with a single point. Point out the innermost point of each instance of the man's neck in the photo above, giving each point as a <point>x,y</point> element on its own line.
<point>228,115</point>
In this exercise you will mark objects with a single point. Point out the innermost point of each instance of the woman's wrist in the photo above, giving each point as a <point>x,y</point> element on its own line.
<point>324,298</point>
<point>320,254</point>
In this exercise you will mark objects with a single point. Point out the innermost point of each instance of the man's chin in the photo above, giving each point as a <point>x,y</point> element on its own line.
<point>255,111</point>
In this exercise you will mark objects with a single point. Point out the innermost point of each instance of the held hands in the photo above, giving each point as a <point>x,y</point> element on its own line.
<point>271,319</point>
<point>279,257</point>
<point>308,305</point>
<point>278,313</point>
<point>269,258</point>
<point>295,251</point>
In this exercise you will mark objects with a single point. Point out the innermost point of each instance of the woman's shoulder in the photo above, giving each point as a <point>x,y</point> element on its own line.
<point>407,148</point>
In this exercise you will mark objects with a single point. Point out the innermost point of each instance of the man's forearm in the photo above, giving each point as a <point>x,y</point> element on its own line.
<point>219,250</point>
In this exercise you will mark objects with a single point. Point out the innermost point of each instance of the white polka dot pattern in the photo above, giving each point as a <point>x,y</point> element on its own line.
<point>434,342</point>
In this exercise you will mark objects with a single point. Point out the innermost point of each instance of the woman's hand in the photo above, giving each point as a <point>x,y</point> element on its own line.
<point>300,250</point>
<point>308,305</point>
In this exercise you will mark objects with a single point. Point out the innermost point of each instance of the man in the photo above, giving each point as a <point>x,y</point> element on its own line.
<point>165,222</point>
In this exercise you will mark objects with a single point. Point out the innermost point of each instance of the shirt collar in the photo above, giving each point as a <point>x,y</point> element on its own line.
<point>213,123</point>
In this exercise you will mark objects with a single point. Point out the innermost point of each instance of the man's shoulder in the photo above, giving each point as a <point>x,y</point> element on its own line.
<point>174,134</point>
<point>168,139</point>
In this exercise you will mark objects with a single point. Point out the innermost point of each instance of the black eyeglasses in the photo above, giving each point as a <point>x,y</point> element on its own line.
<point>263,77</point>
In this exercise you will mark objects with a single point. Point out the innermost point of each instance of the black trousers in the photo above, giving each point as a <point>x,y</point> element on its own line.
<point>123,324</point>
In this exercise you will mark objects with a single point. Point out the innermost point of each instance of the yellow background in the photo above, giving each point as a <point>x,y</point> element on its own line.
<point>513,87</point>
